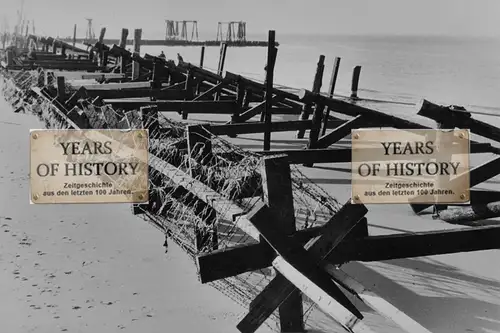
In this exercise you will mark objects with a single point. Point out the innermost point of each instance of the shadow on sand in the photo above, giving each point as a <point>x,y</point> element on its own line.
<point>440,297</point>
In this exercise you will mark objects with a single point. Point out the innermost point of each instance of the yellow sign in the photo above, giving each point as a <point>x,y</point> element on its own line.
<point>89,166</point>
<point>410,166</point>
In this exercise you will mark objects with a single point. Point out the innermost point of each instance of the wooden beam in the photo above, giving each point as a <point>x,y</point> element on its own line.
<point>207,107</point>
<point>340,132</point>
<point>219,264</point>
<point>123,38</point>
<point>477,175</point>
<point>136,93</point>
<point>331,90</point>
<point>102,76</point>
<point>458,117</point>
<point>267,114</point>
<point>225,207</point>
<point>220,67</point>
<point>280,288</point>
<point>278,195</point>
<point>305,264</point>
<point>317,83</point>
<point>259,127</point>
<point>137,50</point>
<point>210,91</point>
<point>249,114</point>
<point>355,81</point>
<point>61,89</point>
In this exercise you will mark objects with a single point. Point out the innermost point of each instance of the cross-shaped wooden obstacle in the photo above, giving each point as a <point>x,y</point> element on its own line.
<point>300,268</point>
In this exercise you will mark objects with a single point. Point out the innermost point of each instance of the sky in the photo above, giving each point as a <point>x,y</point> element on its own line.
<point>352,17</point>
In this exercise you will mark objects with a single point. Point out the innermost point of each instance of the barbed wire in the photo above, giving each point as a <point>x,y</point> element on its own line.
<point>175,207</point>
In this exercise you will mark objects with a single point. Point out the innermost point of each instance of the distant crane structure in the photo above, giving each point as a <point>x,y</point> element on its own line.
<point>89,34</point>
<point>172,30</point>
<point>236,31</point>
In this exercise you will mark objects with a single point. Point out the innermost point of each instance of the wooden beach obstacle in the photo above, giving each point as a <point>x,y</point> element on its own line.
<point>483,204</point>
<point>256,228</point>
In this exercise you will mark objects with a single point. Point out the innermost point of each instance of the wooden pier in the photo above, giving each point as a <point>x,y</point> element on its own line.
<point>236,212</point>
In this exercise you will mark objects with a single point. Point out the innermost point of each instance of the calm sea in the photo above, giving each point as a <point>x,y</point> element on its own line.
<point>449,70</point>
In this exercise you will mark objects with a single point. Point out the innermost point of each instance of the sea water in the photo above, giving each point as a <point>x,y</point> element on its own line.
<point>449,70</point>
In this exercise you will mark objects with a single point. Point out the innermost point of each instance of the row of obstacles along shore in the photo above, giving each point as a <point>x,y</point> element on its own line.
<point>216,200</point>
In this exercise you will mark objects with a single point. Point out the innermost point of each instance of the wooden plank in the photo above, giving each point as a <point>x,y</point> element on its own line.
<point>114,86</point>
<point>249,114</point>
<point>137,92</point>
<point>267,113</point>
<point>219,107</point>
<point>327,155</point>
<point>322,299</point>
<point>460,118</point>
<point>210,91</point>
<point>477,175</point>
<point>259,127</point>
<point>219,264</point>
<point>355,81</point>
<point>278,196</point>
<point>280,288</point>
<point>340,132</point>
<point>102,76</point>
<point>377,248</point>
<point>305,265</point>
<point>317,83</point>
<point>225,207</point>
<point>331,90</point>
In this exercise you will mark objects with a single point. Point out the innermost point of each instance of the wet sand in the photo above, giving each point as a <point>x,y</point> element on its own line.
<point>90,268</point>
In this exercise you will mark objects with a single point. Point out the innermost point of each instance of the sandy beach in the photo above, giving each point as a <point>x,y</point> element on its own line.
<point>90,268</point>
<point>97,268</point>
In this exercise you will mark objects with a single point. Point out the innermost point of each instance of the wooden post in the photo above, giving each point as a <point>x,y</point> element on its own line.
<point>123,38</point>
<point>61,89</point>
<point>278,195</point>
<point>318,81</point>
<point>315,129</point>
<point>123,44</point>
<point>189,88</point>
<point>202,56</point>
<point>271,58</point>
<point>137,50</point>
<point>241,89</point>
<point>355,81</point>
<point>10,57</point>
<point>101,46</point>
<point>220,67</point>
<point>202,60</point>
<point>331,89</point>
<point>74,35</point>
<point>155,80</point>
